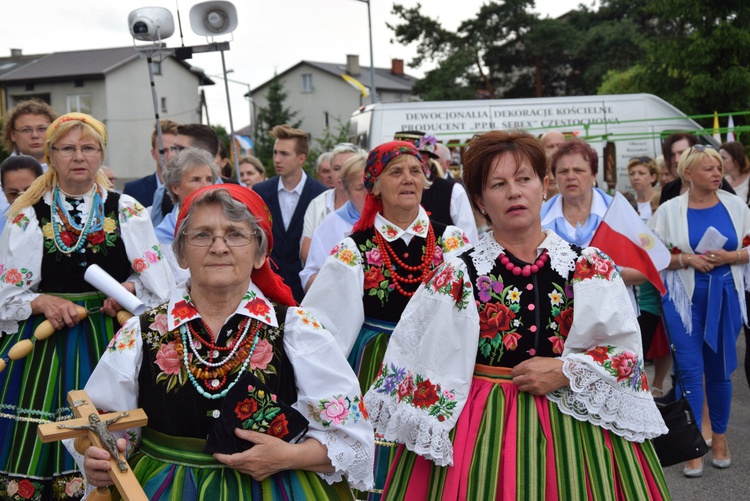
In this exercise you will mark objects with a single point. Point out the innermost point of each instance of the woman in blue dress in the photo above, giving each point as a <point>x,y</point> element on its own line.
<point>705,306</point>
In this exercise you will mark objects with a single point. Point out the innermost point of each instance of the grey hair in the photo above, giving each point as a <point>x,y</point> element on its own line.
<point>323,157</point>
<point>187,159</point>
<point>347,148</point>
<point>233,209</point>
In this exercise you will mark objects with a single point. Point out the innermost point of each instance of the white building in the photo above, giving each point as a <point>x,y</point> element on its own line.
<point>321,96</point>
<point>113,86</point>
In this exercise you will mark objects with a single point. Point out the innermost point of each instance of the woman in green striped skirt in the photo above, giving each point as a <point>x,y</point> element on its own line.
<point>516,371</point>
<point>66,221</point>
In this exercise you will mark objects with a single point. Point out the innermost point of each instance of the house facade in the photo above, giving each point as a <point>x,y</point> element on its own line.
<point>113,86</point>
<point>322,97</point>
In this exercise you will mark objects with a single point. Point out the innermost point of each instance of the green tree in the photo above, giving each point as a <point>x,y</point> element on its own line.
<point>700,59</point>
<point>269,116</point>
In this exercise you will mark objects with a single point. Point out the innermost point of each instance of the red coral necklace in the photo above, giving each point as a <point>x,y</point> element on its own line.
<point>411,278</point>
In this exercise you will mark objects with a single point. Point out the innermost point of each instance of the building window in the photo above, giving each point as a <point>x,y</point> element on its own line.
<point>156,67</point>
<point>307,83</point>
<point>80,103</point>
<point>164,105</point>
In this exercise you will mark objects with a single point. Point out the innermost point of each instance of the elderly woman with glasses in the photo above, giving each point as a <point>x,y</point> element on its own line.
<point>708,232</point>
<point>66,221</point>
<point>247,394</point>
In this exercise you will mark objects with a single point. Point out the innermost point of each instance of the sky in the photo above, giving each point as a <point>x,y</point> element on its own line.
<point>271,36</point>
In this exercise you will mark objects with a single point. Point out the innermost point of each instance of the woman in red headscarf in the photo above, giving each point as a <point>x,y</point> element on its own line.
<point>370,276</point>
<point>232,358</point>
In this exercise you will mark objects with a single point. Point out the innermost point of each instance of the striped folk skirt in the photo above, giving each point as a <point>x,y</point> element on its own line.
<point>366,358</point>
<point>176,469</point>
<point>35,390</point>
<point>511,445</point>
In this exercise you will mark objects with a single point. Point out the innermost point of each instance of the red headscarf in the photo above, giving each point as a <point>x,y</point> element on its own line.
<point>271,284</point>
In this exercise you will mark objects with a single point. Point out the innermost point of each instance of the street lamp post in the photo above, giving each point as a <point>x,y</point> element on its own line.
<point>373,89</point>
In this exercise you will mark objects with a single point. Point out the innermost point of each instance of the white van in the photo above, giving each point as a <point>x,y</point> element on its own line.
<point>634,124</point>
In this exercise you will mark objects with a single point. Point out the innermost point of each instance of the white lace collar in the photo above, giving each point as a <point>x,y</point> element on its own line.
<point>562,257</point>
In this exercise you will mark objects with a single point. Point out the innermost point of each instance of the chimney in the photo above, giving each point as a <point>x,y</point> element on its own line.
<point>16,52</point>
<point>352,64</point>
<point>397,67</point>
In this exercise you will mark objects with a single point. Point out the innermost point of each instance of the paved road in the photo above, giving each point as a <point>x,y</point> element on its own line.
<point>733,483</point>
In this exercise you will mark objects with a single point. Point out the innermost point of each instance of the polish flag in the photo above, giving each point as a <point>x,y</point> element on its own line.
<point>627,240</point>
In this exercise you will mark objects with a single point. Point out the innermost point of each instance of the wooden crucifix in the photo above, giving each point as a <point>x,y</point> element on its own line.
<point>87,423</point>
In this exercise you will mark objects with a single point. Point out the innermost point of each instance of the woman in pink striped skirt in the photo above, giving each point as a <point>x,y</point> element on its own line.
<point>516,371</point>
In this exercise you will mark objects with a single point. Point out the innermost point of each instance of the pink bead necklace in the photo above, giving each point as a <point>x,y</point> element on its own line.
<point>527,270</point>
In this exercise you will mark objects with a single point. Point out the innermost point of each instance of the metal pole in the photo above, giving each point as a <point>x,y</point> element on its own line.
<point>372,60</point>
<point>231,123</point>
<point>159,142</point>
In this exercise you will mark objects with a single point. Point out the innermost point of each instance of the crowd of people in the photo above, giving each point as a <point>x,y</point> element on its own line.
<point>384,330</point>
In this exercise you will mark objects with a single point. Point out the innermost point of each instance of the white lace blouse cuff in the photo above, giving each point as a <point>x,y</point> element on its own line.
<point>348,456</point>
<point>590,398</point>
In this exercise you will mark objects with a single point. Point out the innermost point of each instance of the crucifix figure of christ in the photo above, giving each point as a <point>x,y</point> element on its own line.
<point>89,424</point>
<point>101,429</point>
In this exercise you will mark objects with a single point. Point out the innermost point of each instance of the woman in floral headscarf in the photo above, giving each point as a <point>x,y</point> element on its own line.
<point>231,357</point>
<point>516,370</point>
<point>370,276</point>
<point>67,220</point>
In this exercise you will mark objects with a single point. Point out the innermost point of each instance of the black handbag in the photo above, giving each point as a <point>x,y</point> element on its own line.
<point>684,440</point>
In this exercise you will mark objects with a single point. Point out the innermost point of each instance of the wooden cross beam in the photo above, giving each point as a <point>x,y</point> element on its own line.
<point>81,426</point>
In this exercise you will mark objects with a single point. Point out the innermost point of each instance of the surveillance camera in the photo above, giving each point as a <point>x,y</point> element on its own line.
<point>151,24</point>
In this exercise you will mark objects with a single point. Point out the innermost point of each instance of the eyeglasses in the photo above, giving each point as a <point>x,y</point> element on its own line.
<point>69,151</point>
<point>13,193</point>
<point>176,148</point>
<point>202,238</point>
<point>644,159</point>
<point>41,130</point>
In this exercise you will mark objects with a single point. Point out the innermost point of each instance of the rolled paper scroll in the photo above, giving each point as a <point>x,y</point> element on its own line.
<point>112,288</point>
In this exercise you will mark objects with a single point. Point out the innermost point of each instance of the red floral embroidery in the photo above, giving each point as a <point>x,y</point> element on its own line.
<point>139,265</point>
<point>95,238</point>
<point>746,241</point>
<point>26,489</point>
<point>18,218</point>
<point>183,310</point>
<point>676,250</point>
<point>258,307</point>
<point>363,409</point>
<point>246,408</point>
<point>425,395</point>
<point>558,344</point>
<point>565,320</point>
<point>373,277</point>
<point>585,270</point>
<point>600,354</point>
<point>457,290</point>
<point>278,427</point>
<point>510,340</point>
<point>13,276</point>
<point>495,318</point>
<point>625,364</point>
<point>68,238</point>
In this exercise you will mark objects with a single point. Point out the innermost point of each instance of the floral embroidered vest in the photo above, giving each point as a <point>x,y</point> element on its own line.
<point>381,300</point>
<point>64,272</point>
<point>521,317</point>
<point>172,404</point>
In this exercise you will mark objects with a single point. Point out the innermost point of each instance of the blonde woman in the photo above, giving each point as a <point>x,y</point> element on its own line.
<point>66,221</point>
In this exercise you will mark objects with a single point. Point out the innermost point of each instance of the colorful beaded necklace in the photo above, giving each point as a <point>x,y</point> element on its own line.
<point>527,270</point>
<point>387,253</point>
<point>94,220</point>
<point>211,378</point>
